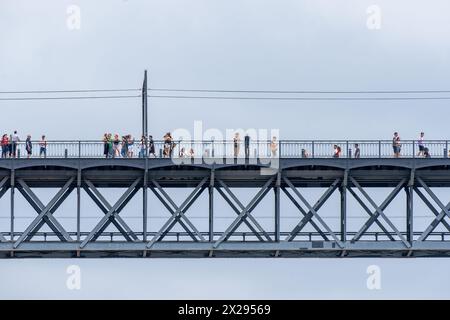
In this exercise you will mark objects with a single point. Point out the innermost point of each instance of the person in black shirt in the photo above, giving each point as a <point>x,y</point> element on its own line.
<point>247,146</point>
<point>151,146</point>
<point>28,146</point>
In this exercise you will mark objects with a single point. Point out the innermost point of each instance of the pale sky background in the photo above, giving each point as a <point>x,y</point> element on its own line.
<point>208,44</point>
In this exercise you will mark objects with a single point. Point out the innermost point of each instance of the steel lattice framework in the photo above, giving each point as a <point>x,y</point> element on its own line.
<point>346,177</point>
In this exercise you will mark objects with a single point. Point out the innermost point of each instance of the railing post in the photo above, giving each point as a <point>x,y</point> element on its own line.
<point>312,150</point>
<point>379,148</point>
<point>414,149</point>
<point>146,147</point>
<point>79,149</point>
<point>348,150</point>
<point>225,156</point>
<point>279,149</point>
<point>446,149</point>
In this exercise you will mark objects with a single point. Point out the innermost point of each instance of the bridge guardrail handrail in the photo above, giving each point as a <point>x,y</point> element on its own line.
<point>228,149</point>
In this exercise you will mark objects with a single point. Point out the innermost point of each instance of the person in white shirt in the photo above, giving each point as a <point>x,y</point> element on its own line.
<point>421,145</point>
<point>15,140</point>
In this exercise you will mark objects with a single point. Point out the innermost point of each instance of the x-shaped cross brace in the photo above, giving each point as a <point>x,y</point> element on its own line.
<point>445,210</point>
<point>245,212</point>
<point>177,213</point>
<point>383,206</point>
<point>112,214</point>
<point>45,213</point>
<point>379,211</point>
<point>3,189</point>
<point>312,213</point>
<point>248,215</point>
<point>104,205</point>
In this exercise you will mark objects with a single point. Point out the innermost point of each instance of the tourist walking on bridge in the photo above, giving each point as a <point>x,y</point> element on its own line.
<point>421,145</point>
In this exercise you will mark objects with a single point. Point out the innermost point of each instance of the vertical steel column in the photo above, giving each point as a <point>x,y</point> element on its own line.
<point>12,202</point>
<point>277,213</point>
<point>144,107</point>
<point>276,189</point>
<point>211,207</point>
<point>343,193</point>
<point>343,200</point>
<point>145,201</point>
<point>211,213</point>
<point>79,203</point>
<point>409,213</point>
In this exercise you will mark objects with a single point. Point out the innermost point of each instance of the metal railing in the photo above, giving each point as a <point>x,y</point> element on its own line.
<point>228,149</point>
<point>237,236</point>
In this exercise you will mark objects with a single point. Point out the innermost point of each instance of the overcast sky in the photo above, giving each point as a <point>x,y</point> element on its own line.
<point>238,45</point>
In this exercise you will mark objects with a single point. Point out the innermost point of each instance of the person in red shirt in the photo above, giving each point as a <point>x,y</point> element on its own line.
<point>4,144</point>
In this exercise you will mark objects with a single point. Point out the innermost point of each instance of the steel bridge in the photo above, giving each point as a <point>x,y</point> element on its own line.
<point>283,180</point>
